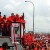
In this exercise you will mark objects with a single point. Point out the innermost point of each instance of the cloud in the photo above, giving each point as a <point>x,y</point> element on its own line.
<point>48,2</point>
<point>15,3</point>
<point>42,24</point>
<point>9,7</point>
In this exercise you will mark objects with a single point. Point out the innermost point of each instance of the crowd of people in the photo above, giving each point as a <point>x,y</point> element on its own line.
<point>29,41</point>
<point>35,42</point>
<point>5,23</point>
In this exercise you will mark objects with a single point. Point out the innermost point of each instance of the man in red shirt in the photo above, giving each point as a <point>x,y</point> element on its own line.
<point>0,23</point>
<point>0,18</point>
<point>4,46</point>
<point>17,17</point>
<point>11,18</point>
<point>0,15</point>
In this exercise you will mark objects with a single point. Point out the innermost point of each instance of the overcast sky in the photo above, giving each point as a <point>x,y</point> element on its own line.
<point>41,14</point>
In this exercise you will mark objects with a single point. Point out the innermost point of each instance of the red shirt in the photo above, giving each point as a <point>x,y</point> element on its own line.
<point>17,17</point>
<point>10,18</point>
<point>0,19</point>
<point>2,49</point>
<point>35,48</point>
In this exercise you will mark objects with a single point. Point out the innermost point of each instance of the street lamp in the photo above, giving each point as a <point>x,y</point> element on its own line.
<point>33,13</point>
